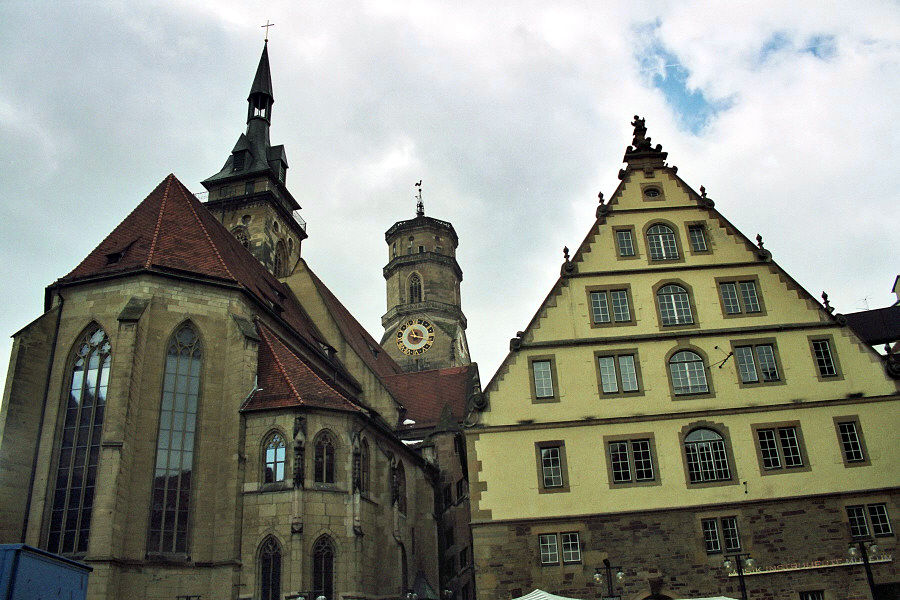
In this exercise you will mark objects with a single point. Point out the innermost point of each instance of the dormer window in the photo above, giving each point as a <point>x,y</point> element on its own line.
<point>238,161</point>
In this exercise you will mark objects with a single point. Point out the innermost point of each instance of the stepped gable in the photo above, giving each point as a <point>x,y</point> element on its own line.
<point>170,232</point>
<point>356,335</point>
<point>425,393</point>
<point>286,380</point>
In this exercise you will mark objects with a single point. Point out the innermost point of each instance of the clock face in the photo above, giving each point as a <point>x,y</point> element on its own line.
<point>415,336</point>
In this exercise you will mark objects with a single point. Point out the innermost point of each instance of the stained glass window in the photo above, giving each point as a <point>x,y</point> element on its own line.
<point>270,569</point>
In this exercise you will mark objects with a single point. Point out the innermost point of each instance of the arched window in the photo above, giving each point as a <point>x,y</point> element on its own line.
<point>674,305</point>
<point>275,455</point>
<point>688,373</point>
<point>323,568</point>
<point>324,459</point>
<point>706,456</point>
<point>280,265</point>
<point>241,234</point>
<point>364,467</point>
<point>170,508</point>
<point>270,569</point>
<point>78,450</point>
<point>415,288</point>
<point>399,487</point>
<point>661,243</point>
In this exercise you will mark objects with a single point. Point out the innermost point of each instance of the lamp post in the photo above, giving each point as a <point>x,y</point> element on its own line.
<point>739,560</point>
<point>864,552</point>
<point>598,577</point>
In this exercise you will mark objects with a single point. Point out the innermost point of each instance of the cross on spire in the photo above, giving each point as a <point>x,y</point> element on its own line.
<point>266,27</point>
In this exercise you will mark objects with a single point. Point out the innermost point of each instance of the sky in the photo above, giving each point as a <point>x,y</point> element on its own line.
<point>514,114</point>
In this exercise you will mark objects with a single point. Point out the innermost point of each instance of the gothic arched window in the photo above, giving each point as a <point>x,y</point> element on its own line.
<point>400,487</point>
<point>275,457</point>
<point>280,265</point>
<point>415,288</point>
<point>240,233</point>
<point>661,243</point>
<point>270,569</point>
<point>172,481</point>
<point>688,373</point>
<point>364,467</point>
<point>323,471</point>
<point>323,568</point>
<point>78,450</point>
<point>706,456</point>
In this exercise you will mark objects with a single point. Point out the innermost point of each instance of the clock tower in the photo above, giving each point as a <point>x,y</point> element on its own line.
<point>424,326</point>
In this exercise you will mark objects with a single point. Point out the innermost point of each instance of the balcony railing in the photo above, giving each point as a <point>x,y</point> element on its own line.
<point>299,220</point>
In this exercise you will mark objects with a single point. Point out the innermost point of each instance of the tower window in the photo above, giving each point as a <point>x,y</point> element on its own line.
<point>421,249</point>
<point>238,161</point>
<point>415,288</point>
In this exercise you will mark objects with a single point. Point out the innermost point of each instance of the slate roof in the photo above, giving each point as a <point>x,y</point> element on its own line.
<point>878,326</point>
<point>262,81</point>
<point>171,232</point>
<point>286,380</point>
<point>425,393</point>
<point>355,334</point>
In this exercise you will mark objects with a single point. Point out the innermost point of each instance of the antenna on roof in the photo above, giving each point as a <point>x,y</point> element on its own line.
<point>266,26</point>
<point>420,206</point>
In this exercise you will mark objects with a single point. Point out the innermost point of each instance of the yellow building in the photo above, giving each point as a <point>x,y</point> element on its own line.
<point>678,399</point>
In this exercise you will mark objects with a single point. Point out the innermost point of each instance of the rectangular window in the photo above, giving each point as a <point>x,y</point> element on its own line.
<point>721,534</point>
<point>625,242</point>
<point>461,489</point>
<point>571,547</point>
<point>543,379</point>
<point>824,361</point>
<point>551,467</point>
<point>851,444</point>
<point>600,306</point>
<point>878,516</point>
<point>780,447</point>
<point>757,363</point>
<point>448,496</point>
<point>812,595</point>
<point>859,527</point>
<point>549,549</point>
<point>463,558</point>
<point>631,461</point>
<point>711,535</point>
<point>698,238</point>
<point>618,374</point>
<point>740,297</point>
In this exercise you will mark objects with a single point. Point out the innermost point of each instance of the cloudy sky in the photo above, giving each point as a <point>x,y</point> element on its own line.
<point>515,114</point>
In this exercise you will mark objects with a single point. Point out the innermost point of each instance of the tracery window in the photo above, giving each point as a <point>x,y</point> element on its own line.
<point>240,233</point>
<point>688,373</point>
<point>323,568</point>
<point>324,459</point>
<point>275,458</point>
<point>415,288</point>
<point>661,243</point>
<point>172,482</point>
<point>706,456</point>
<point>280,265</point>
<point>78,450</point>
<point>270,569</point>
<point>674,305</point>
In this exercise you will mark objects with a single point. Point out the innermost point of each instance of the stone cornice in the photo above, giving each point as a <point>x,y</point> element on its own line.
<point>429,307</point>
<point>405,260</point>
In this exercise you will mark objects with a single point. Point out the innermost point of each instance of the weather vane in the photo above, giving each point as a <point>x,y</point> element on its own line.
<point>420,206</point>
<point>266,27</point>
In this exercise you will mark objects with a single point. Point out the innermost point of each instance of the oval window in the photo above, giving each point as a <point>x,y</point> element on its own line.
<point>652,193</point>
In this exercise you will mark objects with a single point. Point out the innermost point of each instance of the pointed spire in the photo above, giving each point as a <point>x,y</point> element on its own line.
<point>261,99</point>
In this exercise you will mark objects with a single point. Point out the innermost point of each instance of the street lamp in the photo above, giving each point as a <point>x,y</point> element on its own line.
<point>598,577</point>
<point>739,561</point>
<point>864,552</point>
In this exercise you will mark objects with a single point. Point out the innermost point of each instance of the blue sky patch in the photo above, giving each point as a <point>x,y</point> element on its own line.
<point>821,46</point>
<point>664,71</point>
<point>777,41</point>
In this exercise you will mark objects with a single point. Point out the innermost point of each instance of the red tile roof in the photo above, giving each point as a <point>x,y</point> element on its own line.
<point>356,335</point>
<point>425,393</point>
<point>285,379</point>
<point>171,232</point>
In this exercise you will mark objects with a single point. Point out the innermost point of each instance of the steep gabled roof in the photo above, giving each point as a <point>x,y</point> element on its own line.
<point>877,326</point>
<point>354,333</point>
<point>172,233</point>
<point>424,394</point>
<point>285,379</point>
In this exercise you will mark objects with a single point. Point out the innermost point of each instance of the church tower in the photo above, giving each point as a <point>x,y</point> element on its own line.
<point>424,326</point>
<point>249,195</point>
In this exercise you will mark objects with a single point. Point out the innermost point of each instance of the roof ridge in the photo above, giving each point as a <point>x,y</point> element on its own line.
<point>208,237</point>
<point>159,217</point>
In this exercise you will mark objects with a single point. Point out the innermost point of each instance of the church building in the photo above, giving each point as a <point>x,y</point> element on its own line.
<point>681,419</point>
<point>195,414</point>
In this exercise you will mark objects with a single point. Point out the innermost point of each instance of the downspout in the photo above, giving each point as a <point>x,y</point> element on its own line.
<point>37,443</point>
